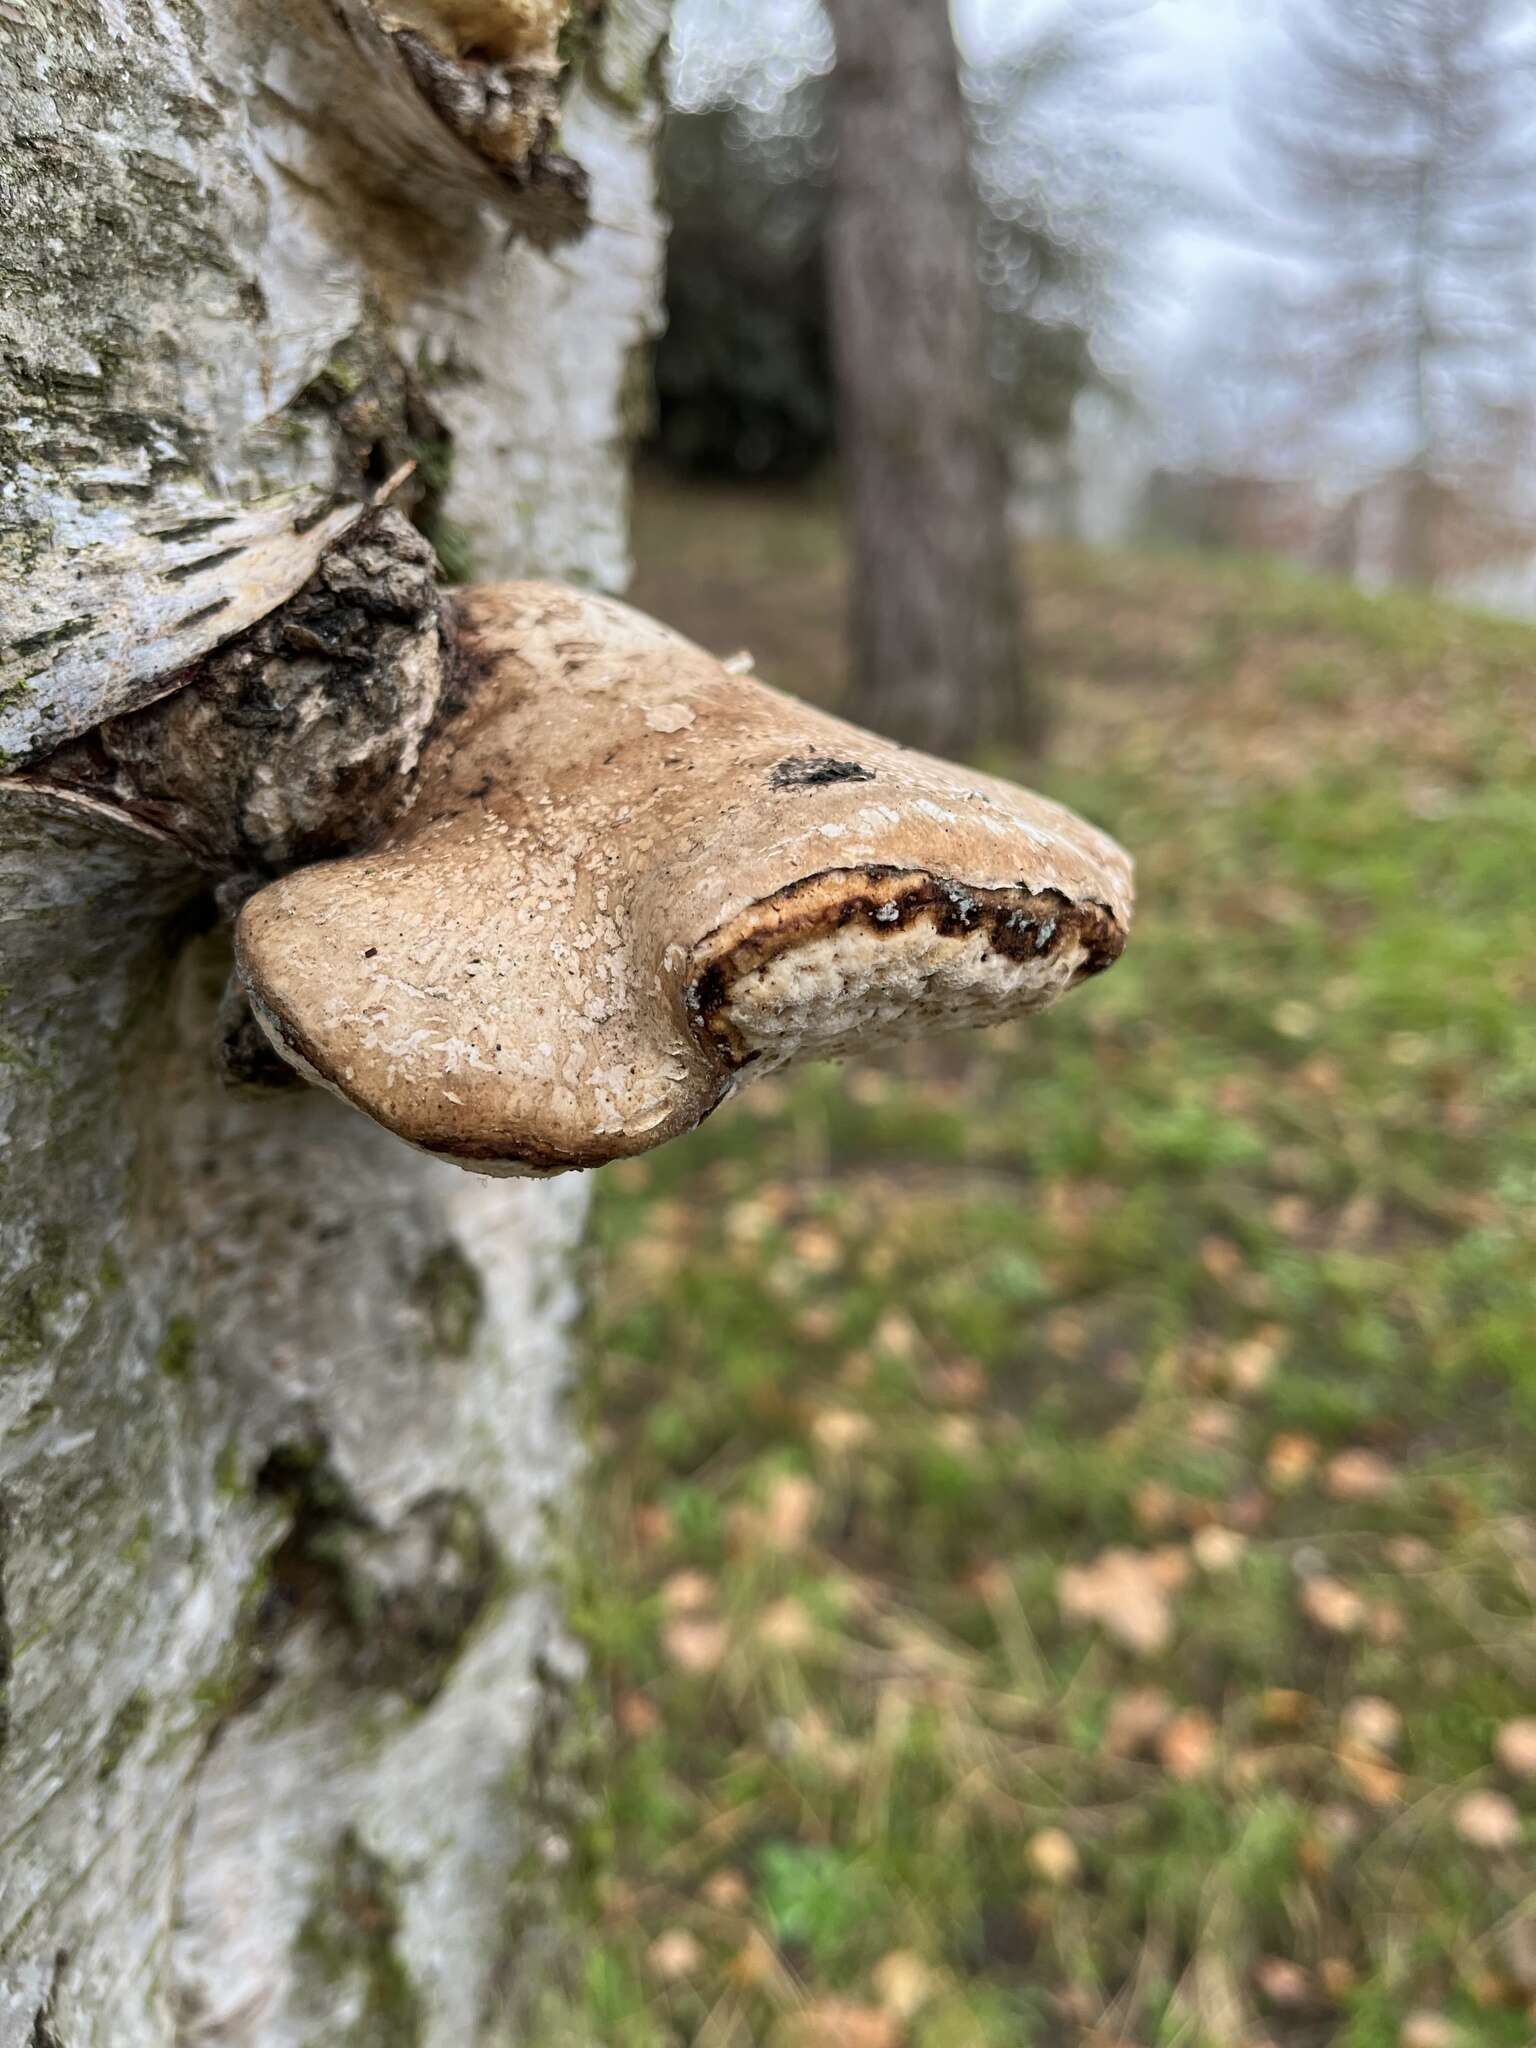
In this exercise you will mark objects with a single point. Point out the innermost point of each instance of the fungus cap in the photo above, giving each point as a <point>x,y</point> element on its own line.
<point>632,878</point>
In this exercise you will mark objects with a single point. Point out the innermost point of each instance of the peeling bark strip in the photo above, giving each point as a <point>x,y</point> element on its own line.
<point>299,739</point>
<point>246,269</point>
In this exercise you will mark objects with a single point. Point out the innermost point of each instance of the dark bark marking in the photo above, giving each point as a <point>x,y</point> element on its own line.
<point>401,1600</point>
<point>44,2033</point>
<point>807,771</point>
<point>349,1940</point>
<point>6,1645</point>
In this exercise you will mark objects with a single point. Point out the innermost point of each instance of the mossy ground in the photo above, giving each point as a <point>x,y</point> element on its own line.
<point>1021,1457</point>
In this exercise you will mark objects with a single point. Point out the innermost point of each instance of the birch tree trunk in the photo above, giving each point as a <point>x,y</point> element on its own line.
<point>937,647</point>
<point>281,1401</point>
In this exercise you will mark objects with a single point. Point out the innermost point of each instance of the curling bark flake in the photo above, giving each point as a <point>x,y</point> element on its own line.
<point>280,1401</point>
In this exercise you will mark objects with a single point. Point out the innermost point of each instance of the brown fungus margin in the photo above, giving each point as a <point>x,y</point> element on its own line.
<point>1020,924</point>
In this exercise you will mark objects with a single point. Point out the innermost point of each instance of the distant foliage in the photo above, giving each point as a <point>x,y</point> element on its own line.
<point>743,372</point>
<point>743,379</point>
<point>1388,331</point>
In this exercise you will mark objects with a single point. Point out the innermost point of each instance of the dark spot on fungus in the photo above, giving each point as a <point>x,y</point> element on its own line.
<point>805,771</point>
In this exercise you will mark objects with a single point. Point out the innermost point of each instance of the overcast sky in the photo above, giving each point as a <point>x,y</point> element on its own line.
<point>1179,63</point>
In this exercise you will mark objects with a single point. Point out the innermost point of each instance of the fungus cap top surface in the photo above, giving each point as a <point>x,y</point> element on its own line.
<point>631,877</point>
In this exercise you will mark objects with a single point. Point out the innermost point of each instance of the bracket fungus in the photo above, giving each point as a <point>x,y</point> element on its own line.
<point>631,878</point>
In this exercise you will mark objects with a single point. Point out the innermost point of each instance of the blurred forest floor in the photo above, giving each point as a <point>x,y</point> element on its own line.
<point>1067,1563</point>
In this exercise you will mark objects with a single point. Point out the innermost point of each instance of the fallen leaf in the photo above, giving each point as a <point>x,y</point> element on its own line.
<point>1385,1624</point>
<point>1359,1476</point>
<point>1280,1707</point>
<point>1213,1424</point>
<point>818,1249</point>
<point>1430,2030</point>
<point>1066,1333</point>
<point>653,1527</point>
<point>817,1324</point>
<point>1123,1591</point>
<point>674,1954</point>
<point>1053,1856</point>
<point>840,1430</point>
<point>958,1433</point>
<point>903,1983</point>
<point>835,2023</point>
<point>753,1963</point>
<point>1155,1506</point>
<point>695,1643</point>
<point>896,1335</point>
<point>686,1592</point>
<point>1377,1781</point>
<point>1515,1747</point>
<point>1371,1723</point>
<point>1220,1257</point>
<point>990,1581</point>
<point>785,1625</point>
<point>1333,1606</point>
<point>1136,1719</point>
<point>1187,1746</point>
<point>1488,1820</point>
<point>1291,1215</point>
<point>1283,1983</point>
<point>1251,1366</point>
<point>1170,1563</point>
<point>1517,1945</point>
<point>961,1383</point>
<point>1217,1549</point>
<point>1290,1460</point>
<point>1339,1825</point>
<point>637,1716</point>
<point>790,1511</point>
<point>1250,1767</point>
<point>726,1890</point>
<point>749,1222</point>
<point>1338,1976</point>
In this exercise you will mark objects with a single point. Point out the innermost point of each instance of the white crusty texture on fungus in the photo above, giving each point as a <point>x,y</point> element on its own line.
<point>633,878</point>
<point>854,987</point>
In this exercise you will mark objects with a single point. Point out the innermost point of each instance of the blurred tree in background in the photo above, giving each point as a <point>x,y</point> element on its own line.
<point>938,653</point>
<point>743,376</point>
<point>744,372</point>
<point>1398,158</point>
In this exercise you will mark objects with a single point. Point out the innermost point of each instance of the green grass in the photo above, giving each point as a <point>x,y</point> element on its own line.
<point>885,1355</point>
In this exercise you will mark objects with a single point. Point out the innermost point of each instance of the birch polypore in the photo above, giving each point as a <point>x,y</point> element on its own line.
<point>631,879</point>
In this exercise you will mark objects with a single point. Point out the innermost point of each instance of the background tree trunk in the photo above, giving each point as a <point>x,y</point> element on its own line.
<point>281,1402</point>
<point>937,656</point>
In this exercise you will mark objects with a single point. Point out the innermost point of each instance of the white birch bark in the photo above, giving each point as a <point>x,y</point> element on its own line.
<point>281,1403</point>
